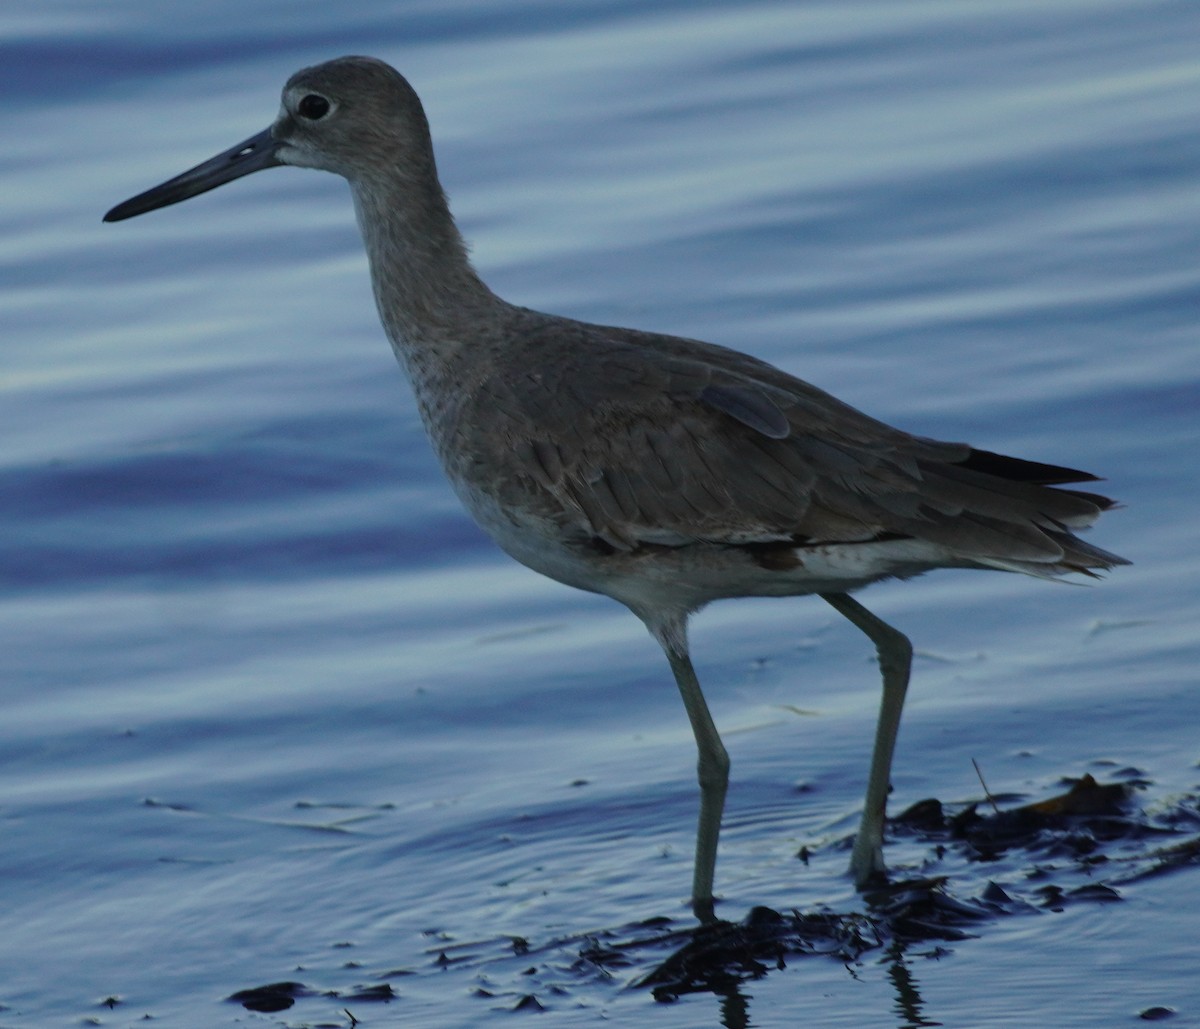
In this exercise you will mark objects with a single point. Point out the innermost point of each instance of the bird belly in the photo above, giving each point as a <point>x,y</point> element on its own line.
<point>688,577</point>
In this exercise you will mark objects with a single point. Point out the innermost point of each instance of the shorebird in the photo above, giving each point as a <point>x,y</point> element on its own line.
<point>664,472</point>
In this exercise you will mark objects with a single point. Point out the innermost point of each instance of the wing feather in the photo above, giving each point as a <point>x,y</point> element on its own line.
<point>655,439</point>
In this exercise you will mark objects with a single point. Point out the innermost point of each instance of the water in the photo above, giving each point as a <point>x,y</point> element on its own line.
<point>274,709</point>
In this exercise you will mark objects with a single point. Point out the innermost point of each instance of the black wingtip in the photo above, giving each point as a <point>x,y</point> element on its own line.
<point>1019,470</point>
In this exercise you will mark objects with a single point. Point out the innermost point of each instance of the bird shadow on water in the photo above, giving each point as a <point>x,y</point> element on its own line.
<point>1080,847</point>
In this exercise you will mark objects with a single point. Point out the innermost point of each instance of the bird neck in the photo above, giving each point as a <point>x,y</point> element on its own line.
<point>425,288</point>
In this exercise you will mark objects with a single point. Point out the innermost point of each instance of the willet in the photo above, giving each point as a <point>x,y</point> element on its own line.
<point>663,472</point>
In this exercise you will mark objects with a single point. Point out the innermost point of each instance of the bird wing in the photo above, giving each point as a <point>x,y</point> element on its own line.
<point>637,438</point>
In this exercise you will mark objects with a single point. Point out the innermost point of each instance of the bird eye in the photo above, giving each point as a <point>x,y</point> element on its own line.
<point>314,107</point>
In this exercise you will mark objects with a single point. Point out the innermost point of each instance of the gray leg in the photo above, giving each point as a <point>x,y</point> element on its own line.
<point>713,772</point>
<point>895,663</point>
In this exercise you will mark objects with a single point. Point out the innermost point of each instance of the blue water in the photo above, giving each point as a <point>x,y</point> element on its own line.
<point>271,702</point>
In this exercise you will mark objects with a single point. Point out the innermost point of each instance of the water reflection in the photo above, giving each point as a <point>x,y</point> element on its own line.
<point>909,1003</point>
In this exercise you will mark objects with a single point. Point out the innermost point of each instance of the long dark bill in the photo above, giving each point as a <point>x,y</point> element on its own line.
<point>254,154</point>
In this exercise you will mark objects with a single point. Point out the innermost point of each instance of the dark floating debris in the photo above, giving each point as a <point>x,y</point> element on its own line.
<point>155,802</point>
<point>281,996</point>
<point>1072,826</point>
<point>1043,856</point>
<point>924,814</point>
<point>1070,834</point>
<point>1056,898</point>
<point>718,956</point>
<point>270,998</point>
<point>922,910</point>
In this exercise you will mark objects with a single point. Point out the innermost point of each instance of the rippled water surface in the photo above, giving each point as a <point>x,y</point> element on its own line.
<point>274,709</point>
